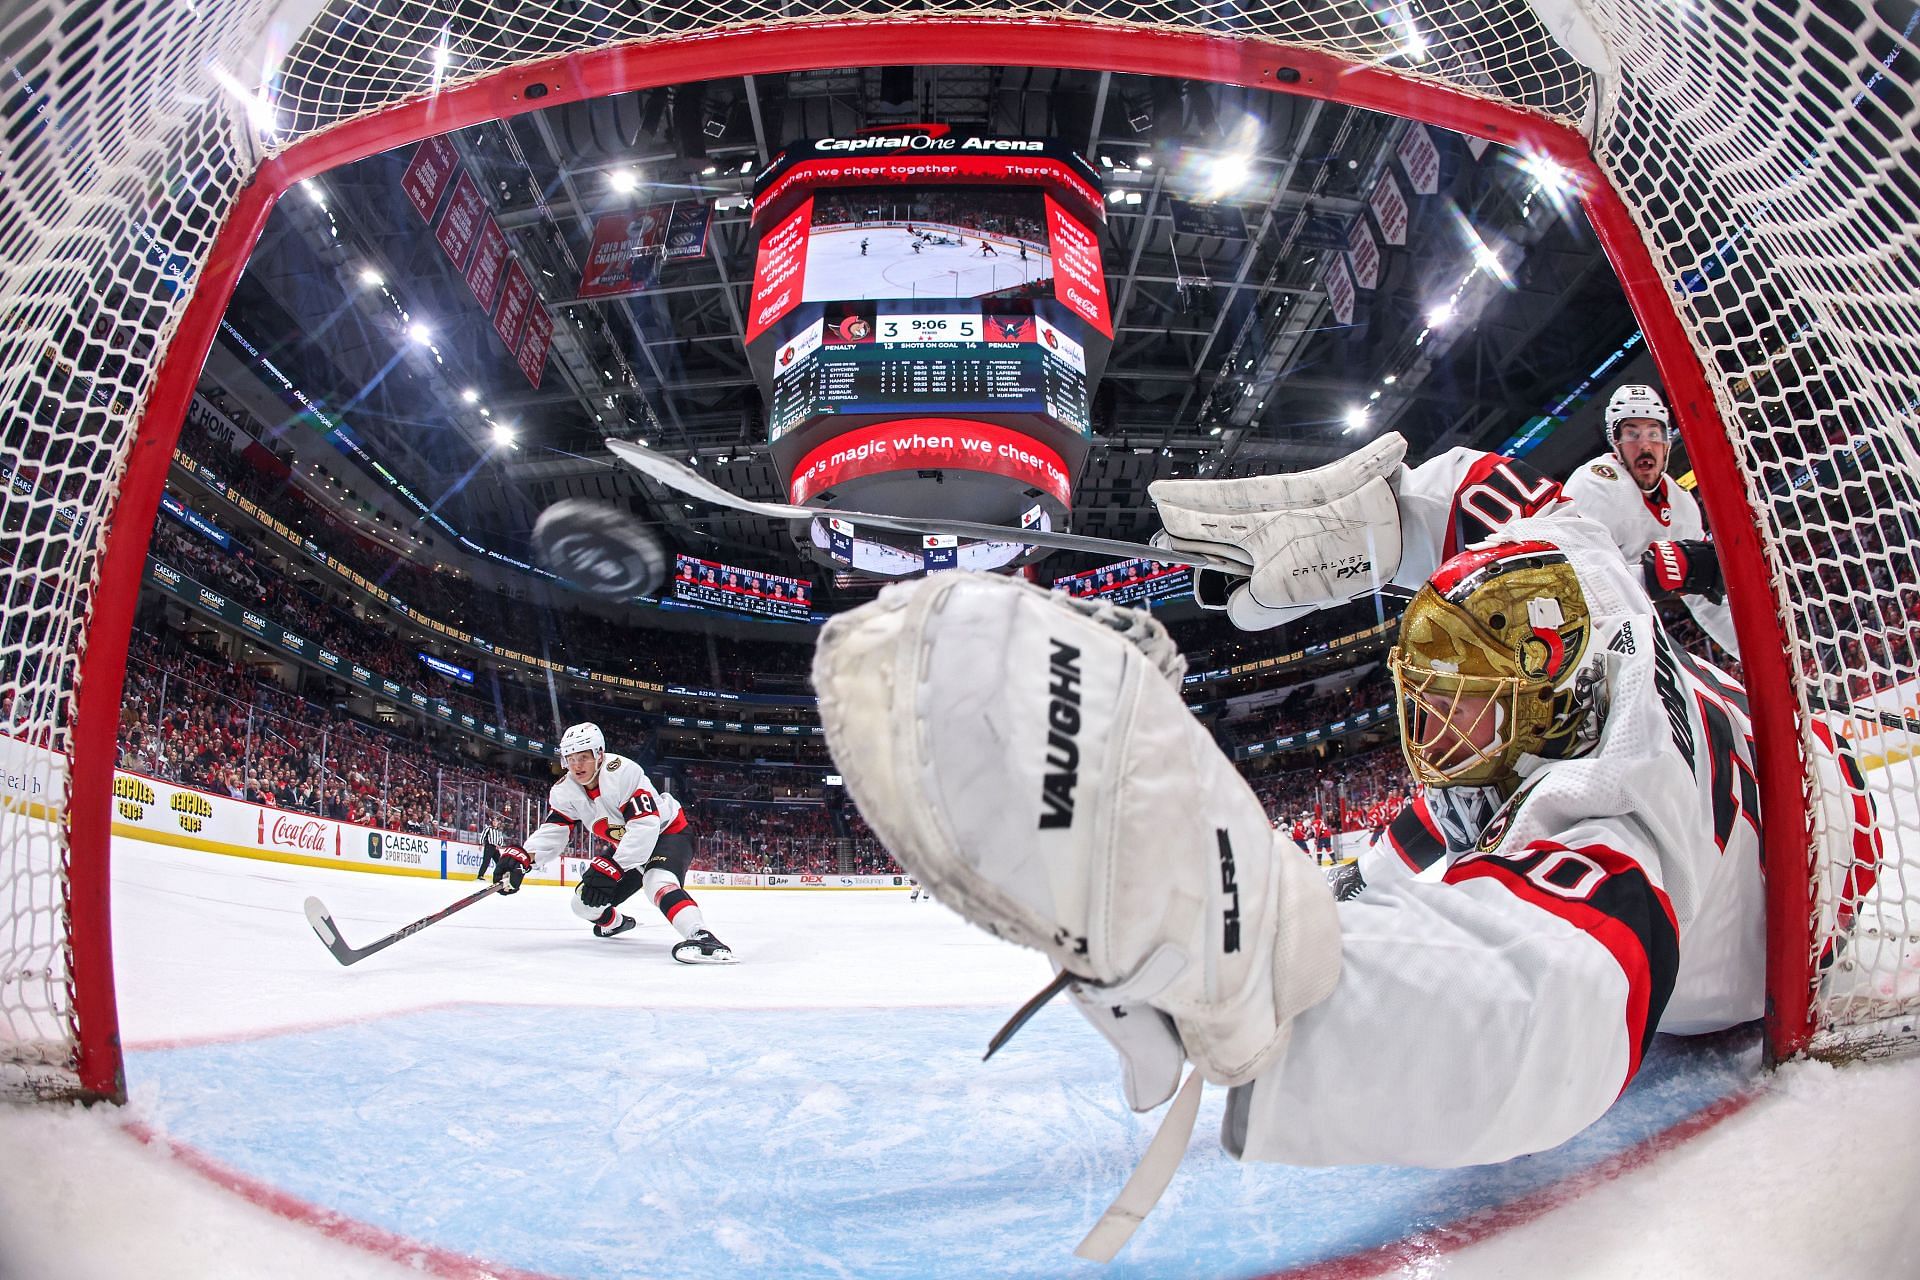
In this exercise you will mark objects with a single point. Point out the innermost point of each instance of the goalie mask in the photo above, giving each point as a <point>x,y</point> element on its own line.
<point>1491,666</point>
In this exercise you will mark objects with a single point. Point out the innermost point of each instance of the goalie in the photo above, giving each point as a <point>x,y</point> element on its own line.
<point>1614,890</point>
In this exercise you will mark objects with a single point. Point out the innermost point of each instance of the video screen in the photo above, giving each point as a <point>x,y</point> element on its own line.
<point>941,242</point>
<point>1129,582</point>
<point>727,586</point>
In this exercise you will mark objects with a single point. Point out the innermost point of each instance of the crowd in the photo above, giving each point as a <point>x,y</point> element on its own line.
<point>1308,707</point>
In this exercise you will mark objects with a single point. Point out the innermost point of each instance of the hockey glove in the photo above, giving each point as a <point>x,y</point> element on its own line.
<point>1683,567</point>
<point>600,882</point>
<point>1307,539</point>
<point>511,864</point>
<point>1034,768</point>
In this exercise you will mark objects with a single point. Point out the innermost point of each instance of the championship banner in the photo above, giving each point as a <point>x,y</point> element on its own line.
<point>489,263</point>
<point>1339,289</point>
<point>534,343</point>
<point>515,297</point>
<point>1365,254</point>
<point>460,224</point>
<point>427,175</point>
<point>928,444</point>
<point>629,249</point>
<point>1390,209</point>
<point>1420,158</point>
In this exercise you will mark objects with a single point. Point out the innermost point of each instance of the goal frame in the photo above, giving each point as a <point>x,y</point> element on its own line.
<point>1059,43</point>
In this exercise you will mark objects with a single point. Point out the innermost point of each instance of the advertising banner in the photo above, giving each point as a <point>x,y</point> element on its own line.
<point>779,271</point>
<point>927,444</point>
<point>1080,282</point>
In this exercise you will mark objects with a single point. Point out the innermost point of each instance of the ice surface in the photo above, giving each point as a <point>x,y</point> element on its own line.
<point>504,1087</point>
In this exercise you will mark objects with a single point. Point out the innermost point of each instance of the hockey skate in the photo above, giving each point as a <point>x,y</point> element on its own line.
<point>619,926</point>
<point>702,948</point>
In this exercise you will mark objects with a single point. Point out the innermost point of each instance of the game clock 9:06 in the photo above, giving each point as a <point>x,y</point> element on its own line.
<point>935,328</point>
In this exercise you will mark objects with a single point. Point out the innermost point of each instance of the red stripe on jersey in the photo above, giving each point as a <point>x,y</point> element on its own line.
<point>679,823</point>
<point>1625,945</point>
<point>673,909</point>
<point>1867,844</point>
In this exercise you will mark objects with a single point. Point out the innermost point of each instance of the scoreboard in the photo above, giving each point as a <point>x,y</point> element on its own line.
<point>917,362</point>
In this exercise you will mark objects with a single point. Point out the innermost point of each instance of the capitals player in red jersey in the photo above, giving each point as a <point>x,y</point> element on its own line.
<point>611,797</point>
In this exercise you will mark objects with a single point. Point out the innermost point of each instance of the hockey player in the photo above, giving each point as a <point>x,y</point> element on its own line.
<point>613,800</point>
<point>1495,1010</point>
<point>1653,520</point>
<point>863,246</point>
<point>988,251</point>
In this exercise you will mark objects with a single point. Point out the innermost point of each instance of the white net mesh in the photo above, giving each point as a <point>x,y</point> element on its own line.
<point>1769,151</point>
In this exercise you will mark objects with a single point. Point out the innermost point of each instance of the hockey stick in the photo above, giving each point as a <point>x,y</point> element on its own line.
<point>677,475</point>
<point>346,953</point>
<point>1890,719</point>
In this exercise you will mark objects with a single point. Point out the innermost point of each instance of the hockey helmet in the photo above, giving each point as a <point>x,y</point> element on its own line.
<point>1492,665</point>
<point>583,737</point>
<point>1636,400</point>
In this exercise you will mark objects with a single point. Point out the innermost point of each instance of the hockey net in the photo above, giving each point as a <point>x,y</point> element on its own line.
<point>1751,171</point>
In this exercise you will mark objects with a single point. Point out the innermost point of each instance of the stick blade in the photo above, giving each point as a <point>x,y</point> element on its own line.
<point>679,476</point>
<point>323,925</point>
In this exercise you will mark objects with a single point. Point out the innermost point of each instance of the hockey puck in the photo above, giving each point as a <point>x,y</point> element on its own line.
<point>600,549</point>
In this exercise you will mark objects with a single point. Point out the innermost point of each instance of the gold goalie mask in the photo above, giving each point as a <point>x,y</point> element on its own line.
<point>1489,667</point>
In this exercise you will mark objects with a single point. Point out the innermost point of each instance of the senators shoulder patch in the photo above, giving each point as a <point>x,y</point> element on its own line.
<point>611,762</point>
<point>1605,472</point>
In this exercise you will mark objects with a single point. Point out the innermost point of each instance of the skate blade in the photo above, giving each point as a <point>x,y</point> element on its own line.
<point>693,955</point>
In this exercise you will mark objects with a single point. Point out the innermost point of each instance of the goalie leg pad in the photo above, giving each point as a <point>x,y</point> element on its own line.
<point>1036,769</point>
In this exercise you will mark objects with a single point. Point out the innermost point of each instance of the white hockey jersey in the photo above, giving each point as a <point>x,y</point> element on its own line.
<point>1602,490</point>
<point>1499,1005</point>
<point>623,808</point>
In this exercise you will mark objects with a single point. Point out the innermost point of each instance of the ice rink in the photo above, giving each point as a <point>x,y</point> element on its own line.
<point>503,1095</point>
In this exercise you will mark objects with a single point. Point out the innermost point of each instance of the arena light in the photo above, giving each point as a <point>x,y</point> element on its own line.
<point>419,332</point>
<point>623,180</point>
<point>471,395</point>
<point>1439,314</point>
<point>503,434</point>
<point>371,278</point>
<point>1356,417</point>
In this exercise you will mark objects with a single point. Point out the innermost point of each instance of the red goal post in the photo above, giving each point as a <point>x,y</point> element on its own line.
<point>1750,174</point>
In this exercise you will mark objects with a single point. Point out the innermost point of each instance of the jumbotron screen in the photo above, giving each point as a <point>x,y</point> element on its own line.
<point>728,586</point>
<point>1129,582</point>
<point>958,217</point>
<point>892,357</point>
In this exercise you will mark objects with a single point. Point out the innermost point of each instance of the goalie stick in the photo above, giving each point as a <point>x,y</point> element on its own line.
<point>346,953</point>
<point>677,475</point>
